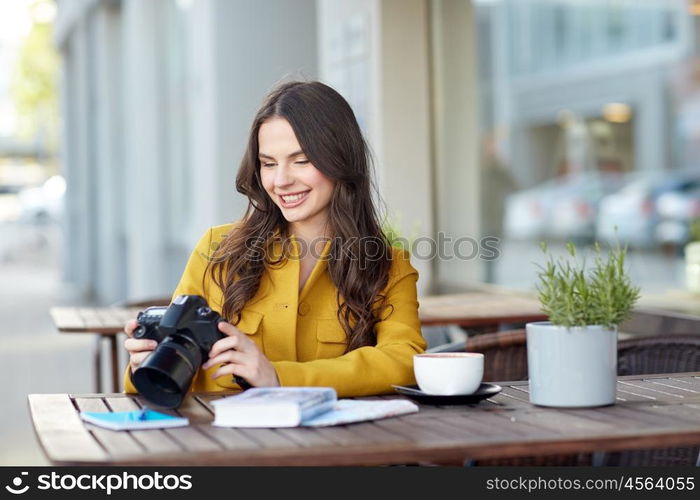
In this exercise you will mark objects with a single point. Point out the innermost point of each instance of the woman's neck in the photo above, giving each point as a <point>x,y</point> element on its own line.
<point>310,232</point>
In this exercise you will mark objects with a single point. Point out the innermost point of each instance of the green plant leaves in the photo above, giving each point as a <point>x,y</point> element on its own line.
<point>573,295</point>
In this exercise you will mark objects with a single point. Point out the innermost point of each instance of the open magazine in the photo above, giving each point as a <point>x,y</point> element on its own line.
<point>346,411</point>
<point>301,406</point>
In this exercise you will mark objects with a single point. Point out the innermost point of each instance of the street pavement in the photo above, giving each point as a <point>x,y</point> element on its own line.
<point>34,358</point>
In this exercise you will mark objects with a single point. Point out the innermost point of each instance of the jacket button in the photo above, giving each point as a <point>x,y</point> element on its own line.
<point>304,308</point>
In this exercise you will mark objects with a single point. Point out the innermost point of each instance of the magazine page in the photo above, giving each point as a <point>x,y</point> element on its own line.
<point>346,411</point>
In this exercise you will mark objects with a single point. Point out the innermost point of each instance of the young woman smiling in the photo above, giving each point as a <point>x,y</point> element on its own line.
<point>313,292</point>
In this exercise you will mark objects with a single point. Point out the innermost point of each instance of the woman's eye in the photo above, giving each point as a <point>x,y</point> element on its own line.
<point>268,164</point>
<point>301,162</point>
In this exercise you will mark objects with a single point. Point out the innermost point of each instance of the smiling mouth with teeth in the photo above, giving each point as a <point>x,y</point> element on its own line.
<point>293,197</point>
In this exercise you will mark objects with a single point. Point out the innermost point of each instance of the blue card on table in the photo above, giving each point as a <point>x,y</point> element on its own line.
<point>133,420</point>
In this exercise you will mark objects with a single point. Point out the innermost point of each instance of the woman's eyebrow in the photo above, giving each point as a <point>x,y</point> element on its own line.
<point>295,153</point>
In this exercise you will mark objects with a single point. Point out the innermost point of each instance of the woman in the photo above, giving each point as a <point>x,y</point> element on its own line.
<point>313,292</point>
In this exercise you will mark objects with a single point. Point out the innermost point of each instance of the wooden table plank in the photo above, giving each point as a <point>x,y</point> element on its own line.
<point>193,438</point>
<point>230,439</point>
<point>490,428</point>
<point>505,400</point>
<point>474,309</point>
<point>380,435</point>
<point>117,443</point>
<point>562,423</point>
<point>683,382</point>
<point>343,436</point>
<point>152,440</point>
<point>67,317</point>
<point>103,320</point>
<point>665,393</point>
<point>307,437</point>
<point>269,438</point>
<point>518,393</point>
<point>61,433</point>
<point>435,434</point>
<point>676,384</point>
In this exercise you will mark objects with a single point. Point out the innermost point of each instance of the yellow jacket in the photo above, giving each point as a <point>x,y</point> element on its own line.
<point>299,331</point>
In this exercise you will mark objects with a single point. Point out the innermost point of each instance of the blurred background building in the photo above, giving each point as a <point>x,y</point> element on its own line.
<point>158,97</point>
<point>512,119</point>
<point>122,124</point>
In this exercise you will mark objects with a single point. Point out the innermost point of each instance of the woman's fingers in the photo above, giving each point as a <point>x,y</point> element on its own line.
<point>229,356</point>
<point>139,345</point>
<point>223,345</point>
<point>228,329</point>
<point>137,358</point>
<point>130,327</point>
<point>234,340</point>
<point>233,369</point>
<point>240,356</point>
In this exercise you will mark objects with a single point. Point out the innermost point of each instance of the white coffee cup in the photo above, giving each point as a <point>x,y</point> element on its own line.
<point>449,373</point>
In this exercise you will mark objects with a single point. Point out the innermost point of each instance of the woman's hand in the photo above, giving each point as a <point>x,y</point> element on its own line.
<point>240,356</point>
<point>138,349</point>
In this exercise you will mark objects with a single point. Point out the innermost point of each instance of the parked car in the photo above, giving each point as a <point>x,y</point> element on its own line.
<point>575,209</point>
<point>638,213</point>
<point>45,203</point>
<point>677,209</point>
<point>628,216</point>
<point>526,212</point>
<point>561,208</point>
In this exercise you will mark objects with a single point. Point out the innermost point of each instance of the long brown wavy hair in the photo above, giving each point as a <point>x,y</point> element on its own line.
<point>331,139</point>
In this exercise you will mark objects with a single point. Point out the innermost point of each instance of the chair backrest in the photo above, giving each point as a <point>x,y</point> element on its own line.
<point>505,354</point>
<point>662,354</point>
<point>436,336</point>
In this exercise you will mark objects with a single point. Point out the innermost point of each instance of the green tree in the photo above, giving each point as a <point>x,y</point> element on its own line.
<point>33,87</point>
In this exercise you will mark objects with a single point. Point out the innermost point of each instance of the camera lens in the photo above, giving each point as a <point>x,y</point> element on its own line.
<point>165,376</point>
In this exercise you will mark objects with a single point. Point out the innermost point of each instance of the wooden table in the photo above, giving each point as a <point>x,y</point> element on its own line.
<point>479,309</point>
<point>673,300</point>
<point>106,322</point>
<point>651,411</point>
<point>674,312</point>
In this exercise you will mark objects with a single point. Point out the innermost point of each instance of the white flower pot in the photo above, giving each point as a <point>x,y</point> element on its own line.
<point>571,367</point>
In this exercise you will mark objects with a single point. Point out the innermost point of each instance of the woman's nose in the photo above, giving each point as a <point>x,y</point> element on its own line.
<point>282,176</point>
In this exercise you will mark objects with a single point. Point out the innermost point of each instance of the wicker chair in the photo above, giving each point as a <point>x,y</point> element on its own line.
<point>506,359</point>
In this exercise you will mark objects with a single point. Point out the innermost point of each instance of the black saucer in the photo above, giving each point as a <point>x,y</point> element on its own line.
<point>413,392</point>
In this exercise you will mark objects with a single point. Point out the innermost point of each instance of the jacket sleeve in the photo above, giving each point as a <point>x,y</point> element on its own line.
<point>190,284</point>
<point>372,369</point>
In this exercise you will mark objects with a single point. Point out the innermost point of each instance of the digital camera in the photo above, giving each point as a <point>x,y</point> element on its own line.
<point>185,331</point>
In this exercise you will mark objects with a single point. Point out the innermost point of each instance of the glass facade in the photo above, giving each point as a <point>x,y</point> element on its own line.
<point>553,35</point>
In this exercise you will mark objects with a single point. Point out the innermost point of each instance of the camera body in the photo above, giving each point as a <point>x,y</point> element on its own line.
<point>188,314</point>
<point>185,331</point>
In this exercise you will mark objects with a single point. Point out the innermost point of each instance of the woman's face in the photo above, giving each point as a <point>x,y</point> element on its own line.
<point>301,191</point>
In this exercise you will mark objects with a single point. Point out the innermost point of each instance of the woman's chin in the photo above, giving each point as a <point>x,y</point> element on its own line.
<point>292,215</point>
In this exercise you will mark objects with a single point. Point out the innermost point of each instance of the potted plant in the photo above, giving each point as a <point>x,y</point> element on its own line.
<point>572,358</point>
